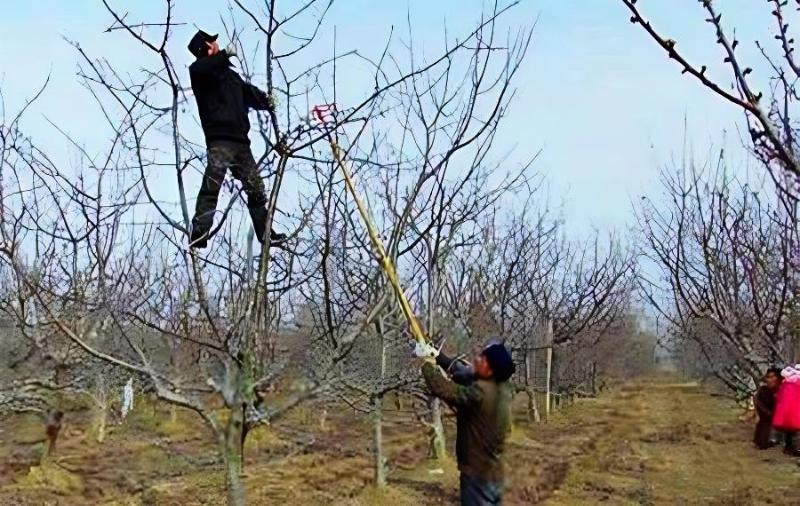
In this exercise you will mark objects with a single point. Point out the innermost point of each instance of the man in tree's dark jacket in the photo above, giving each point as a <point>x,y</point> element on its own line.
<point>481,397</point>
<point>223,99</point>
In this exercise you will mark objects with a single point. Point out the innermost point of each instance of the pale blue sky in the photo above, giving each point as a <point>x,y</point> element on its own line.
<point>595,93</point>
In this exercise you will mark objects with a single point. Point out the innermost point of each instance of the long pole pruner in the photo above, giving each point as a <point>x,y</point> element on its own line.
<point>322,113</point>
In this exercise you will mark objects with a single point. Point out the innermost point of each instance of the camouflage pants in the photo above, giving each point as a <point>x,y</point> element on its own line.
<point>223,155</point>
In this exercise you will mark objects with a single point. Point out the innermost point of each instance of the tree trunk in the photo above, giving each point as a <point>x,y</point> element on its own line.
<point>438,441</point>
<point>547,399</point>
<point>100,423</point>
<point>231,442</point>
<point>533,408</point>
<point>549,367</point>
<point>438,446</point>
<point>100,398</point>
<point>530,389</point>
<point>380,460</point>
<point>795,346</point>
<point>377,413</point>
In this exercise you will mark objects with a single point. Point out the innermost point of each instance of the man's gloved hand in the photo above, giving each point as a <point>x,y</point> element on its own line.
<point>230,49</point>
<point>425,350</point>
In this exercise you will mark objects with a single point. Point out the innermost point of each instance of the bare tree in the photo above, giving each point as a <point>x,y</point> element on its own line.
<point>772,127</point>
<point>722,259</point>
<point>112,277</point>
<point>38,362</point>
<point>428,160</point>
<point>527,282</point>
<point>770,119</point>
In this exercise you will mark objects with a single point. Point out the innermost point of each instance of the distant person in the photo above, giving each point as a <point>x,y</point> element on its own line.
<point>223,100</point>
<point>52,425</point>
<point>481,395</point>
<point>764,401</point>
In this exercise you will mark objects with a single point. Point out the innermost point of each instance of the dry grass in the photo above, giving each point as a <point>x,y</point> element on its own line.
<point>671,443</point>
<point>655,442</point>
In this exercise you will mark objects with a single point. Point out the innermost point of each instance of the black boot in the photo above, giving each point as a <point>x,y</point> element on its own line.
<point>259,217</point>
<point>199,238</point>
<point>276,239</point>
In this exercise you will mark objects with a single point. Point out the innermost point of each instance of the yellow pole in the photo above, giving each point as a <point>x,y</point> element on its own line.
<point>383,259</point>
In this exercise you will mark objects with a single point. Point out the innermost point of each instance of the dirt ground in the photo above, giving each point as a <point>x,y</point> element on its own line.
<point>646,442</point>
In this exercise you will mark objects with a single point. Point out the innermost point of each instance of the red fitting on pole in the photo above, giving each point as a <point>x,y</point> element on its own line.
<point>324,111</point>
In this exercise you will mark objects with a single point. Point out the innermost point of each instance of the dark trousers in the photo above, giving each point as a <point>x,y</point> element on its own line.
<point>224,155</point>
<point>477,492</point>
<point>789,443</point>
<point>763,436</point>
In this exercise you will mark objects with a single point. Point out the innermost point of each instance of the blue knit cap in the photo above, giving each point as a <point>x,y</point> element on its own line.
<point>499,359</point>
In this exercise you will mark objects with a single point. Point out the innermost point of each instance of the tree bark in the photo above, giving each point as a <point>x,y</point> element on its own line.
<point>530,390</point>
<point>438,441</point>
<point>231,441</point>
<point>795,341</point>
<point>549,372</point>
<point>100,423</point>
<point>100,398</point>
<point>380,460</point>
<point>547,400</point>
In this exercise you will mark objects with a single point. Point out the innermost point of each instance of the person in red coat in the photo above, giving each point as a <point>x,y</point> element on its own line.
<point>786,417</point>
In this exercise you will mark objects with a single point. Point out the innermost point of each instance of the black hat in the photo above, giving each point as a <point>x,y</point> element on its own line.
<point>197,46</point>
<point>500,361</point>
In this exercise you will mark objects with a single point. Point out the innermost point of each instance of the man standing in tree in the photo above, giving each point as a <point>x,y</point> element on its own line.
<point>481,395</point>
<point>223,100</point>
